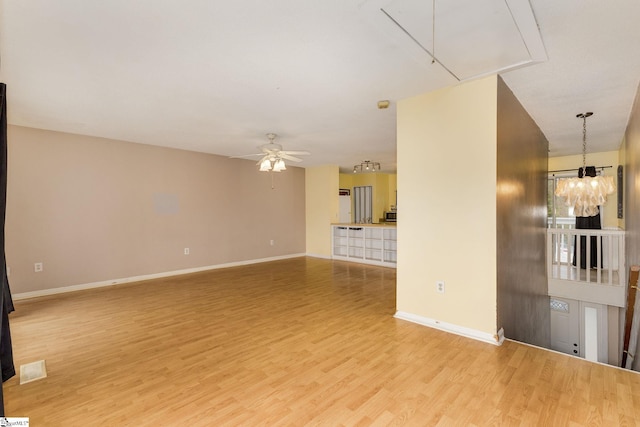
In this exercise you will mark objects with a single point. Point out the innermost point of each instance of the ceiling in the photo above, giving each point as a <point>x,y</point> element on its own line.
<point>216,76</point>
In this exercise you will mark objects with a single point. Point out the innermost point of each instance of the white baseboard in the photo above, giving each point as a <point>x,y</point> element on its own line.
<point>93,285</point>
<point>495,339</point>
<point>319,256</point>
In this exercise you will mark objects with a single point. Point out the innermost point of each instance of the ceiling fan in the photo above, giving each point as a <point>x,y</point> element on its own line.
<point>273,156</point>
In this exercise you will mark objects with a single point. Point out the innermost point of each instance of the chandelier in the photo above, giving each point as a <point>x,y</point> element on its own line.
<point>585,193</point>
<point>366,166</point>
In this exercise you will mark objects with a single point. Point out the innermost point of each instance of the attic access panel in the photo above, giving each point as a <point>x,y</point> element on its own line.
<point>472,37</point>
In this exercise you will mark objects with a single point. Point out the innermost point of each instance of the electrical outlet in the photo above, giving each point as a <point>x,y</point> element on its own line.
<point>37,267</point>
<point>186,251</point>
<point>440,286</point>
<point>272,242</point>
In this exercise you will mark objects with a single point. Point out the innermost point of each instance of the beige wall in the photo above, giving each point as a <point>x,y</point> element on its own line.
<point>346,180</point>
<point>607,158</point>
<point>447,228</point>
<point>322,208</point>
<point>523,302</point>
<point>93,210</point>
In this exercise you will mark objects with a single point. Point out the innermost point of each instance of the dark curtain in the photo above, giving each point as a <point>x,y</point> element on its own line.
<point>587,223</point>
<point>6,303</point>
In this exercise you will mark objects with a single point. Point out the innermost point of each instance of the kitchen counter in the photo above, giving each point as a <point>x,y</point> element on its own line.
<point>353,224</point>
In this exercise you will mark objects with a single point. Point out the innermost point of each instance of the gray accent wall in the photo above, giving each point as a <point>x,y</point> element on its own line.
<point>521,198</point>
<point>632,195</point>
<point>631,191</point>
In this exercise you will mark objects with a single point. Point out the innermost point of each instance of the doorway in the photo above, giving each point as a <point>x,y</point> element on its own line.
<point>363,204</point>
<point>580,328</point>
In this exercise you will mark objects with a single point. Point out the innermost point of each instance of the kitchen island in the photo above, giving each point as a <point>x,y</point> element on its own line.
<point>366,243</point>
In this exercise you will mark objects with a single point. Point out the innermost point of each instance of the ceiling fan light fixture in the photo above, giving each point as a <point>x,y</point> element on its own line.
<point>273,156</point>
<point>279,165</point>
<point>265,166</point>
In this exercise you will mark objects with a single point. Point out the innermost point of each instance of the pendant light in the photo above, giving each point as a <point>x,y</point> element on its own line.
<point>585,193</point>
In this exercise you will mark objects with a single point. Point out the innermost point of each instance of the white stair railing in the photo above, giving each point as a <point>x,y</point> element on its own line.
<point>586,257</point>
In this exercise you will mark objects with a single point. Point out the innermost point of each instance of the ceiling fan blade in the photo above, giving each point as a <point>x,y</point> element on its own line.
<point>273,152</point>
<point>288,157</point>
<point>263,159</point>
<point>246,155</point>
<point>297,153</point>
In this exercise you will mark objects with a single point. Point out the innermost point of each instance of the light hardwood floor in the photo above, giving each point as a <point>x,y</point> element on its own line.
<point>289,343</point>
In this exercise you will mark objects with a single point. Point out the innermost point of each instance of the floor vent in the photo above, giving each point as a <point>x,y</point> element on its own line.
<point>32,372</point>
